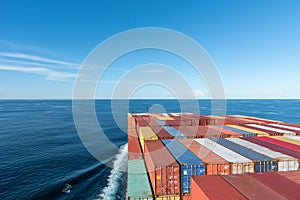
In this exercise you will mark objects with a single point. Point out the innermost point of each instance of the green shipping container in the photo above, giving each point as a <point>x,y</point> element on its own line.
<point>138,186</point>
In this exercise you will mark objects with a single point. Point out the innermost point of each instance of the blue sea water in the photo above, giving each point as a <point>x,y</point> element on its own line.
<point>41,152</point>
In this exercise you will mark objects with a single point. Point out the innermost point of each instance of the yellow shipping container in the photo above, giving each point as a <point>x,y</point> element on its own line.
<point>160,117</point>
<point>168,197</point>
<point>146,133</point>
<point>258,133</point>
<point>285,139</point>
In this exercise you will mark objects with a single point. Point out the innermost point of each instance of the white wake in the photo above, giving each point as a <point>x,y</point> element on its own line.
<point>119,167</point>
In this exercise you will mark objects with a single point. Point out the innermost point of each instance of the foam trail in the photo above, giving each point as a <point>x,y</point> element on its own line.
<point>119,167</point>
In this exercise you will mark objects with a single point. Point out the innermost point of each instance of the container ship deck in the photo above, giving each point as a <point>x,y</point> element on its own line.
<point>187,156</point>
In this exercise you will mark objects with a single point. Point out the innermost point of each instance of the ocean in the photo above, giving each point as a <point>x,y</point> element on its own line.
<point>42,156</point>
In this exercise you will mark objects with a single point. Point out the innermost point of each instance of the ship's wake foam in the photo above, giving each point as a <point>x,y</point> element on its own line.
<point>116,177</point>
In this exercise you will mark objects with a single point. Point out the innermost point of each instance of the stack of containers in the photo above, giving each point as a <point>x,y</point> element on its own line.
<point>265,121</point>
<point>285,162</point>
<point>215,165</point>
<point>288,127</point>
<point>134,148</point>
<point>294,137</point>
<point>206,132</point>
<point>273,147</point>
<point>262,163</point>
<point>271,130</point>
<point>242,132</point>
<point>229,132</point>
<point>189,163</point>
<point>238,163</point>
<point>137,176</point>
<point>146,133</point>
<point>161,133</point>
<point>174,132</point>
<point>250,130</point>
<point>164,171</point>
<point>286,139</point>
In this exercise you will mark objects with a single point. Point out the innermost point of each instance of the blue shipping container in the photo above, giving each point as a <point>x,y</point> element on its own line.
<point>262,162</point>
<point>190,164</point>
<point>245,133</point>
<point>174,132</point>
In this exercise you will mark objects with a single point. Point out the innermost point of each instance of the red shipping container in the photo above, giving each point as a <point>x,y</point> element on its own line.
<point>287,188</point>
<point>283,128</point>
<point>293,176</point>
<point>213,187</point>
<point>214,164</point>
<point>251,188</point>
<point>134,150</point>
<point>164,171</point>
<point>272,133</point>
<point>261,120</point>
<point>273,147</point>
<point>161,133</point>
<point>207,132</point>
<point>229,132</point>
<point>287,145</point>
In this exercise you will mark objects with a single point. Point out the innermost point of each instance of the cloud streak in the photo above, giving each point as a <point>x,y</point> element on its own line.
<point>48,73</point>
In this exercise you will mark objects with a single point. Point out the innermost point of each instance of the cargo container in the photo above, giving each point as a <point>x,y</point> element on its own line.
<point>262,163</point>
<point>140,122</point>
<point>213,188</point>
<point>286,139</point>
<point>272,129</point>
<point>283,127</point>
<point>272,133</point>
<point>294,137</point>
<point>163,169</point>
<point>189,163</point>
<point>162,117</point>
<point>285,162</point>
<point>239,163</point>
<point>293,176</point>
<point>138,187</point>
<point>258,119</point>
<point>188,133</point>
<point>207,132</point>
<point>146,133</point>
<point>161,133</point>
<point>242,132</point>
<point>273,147</point>
<point>256,132</point>
<point>131,123</point>
<point>285,187</point>
<point>174,132</point>
<point>286,126</point>
<point>281,143</point>
<point>214,164</point>
<point>134,150</point>
<point>229,132</point>
<point>132,134</point>
<point>251,188</point>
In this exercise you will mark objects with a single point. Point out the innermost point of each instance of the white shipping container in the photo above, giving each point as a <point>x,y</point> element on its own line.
<point>294,137</point>
<point>272,129</point>
<point>285,162</point>
<point>239,163</point>
<point>287,127</point>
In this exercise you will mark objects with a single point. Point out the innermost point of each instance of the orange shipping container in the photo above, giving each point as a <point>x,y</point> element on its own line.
<point>214,163</point>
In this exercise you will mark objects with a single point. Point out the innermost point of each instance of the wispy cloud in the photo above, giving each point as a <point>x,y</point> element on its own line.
<point>34,58</point>
<point>47,73</point>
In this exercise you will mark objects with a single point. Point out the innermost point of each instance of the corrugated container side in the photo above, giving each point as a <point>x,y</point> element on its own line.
<point>262,163</point>
<point>251,188</point>
<point>286,139</point>
<point>168,197</point>
<point>281,143</point>
<point>146,133</point>
<point>189,163</point>
<point>293,176</point>
<point>256,132</point>
<point>214,164</point>
<point>238,163</point>
<point>138,186</point>
<point>273,147</point>
<point>244,133</point>
<point>285,162</point>
<point>213,187</point>
<point>285,187</point>
<point>164,171</point>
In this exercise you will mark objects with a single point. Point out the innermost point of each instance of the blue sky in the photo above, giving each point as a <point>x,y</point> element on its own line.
<point>255,44</point>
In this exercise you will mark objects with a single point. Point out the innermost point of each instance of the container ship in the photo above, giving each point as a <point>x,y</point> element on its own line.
<point>187,156</point>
